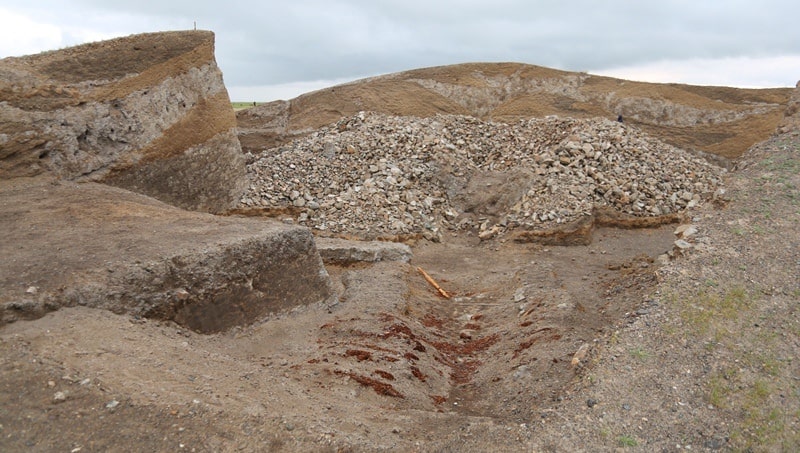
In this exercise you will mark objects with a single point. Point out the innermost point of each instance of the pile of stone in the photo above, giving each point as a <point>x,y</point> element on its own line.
<point>375,175</point>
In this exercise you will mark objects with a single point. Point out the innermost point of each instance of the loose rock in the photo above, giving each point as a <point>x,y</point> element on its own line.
<point>409,174</point>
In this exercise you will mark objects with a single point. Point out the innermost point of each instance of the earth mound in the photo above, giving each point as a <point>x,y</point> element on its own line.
<point>148,113</point>
<point>68,244</point>
<point>373,175</point>
<point>722,121</point>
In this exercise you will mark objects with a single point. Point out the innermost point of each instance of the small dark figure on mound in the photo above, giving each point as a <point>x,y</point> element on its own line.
<point>619,118</point>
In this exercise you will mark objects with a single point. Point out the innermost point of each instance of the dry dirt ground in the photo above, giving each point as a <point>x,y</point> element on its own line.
<point>697,354</point>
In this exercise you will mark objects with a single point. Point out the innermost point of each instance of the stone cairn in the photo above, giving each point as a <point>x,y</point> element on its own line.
<point>373,175</point>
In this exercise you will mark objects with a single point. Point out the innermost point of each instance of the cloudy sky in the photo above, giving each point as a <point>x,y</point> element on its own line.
<point>278,49</point>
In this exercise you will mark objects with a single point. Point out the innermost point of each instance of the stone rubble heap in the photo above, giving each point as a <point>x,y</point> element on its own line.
<point>375,175</point>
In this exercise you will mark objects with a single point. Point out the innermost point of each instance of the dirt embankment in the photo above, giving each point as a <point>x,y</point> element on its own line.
<point>719,120</point>
<point>92,245</point>
<point>149,113</point>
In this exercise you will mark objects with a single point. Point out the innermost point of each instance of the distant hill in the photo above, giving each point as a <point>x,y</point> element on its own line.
<point>720,120</point>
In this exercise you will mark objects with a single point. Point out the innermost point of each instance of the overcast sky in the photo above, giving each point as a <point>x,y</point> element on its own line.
<point>279,49</point>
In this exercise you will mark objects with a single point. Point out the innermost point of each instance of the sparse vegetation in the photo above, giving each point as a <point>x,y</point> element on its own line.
<point>763,425</point>
<point>715,313</point>
<point>639,353</point>
<point>755,387</point>
<point>750,387</point>
<point>627,441</point>
<point>719,387</point>
<point>244,105</point>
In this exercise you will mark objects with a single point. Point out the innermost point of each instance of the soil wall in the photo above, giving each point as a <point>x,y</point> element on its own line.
<point>70,244</point>
<point>148,112</point>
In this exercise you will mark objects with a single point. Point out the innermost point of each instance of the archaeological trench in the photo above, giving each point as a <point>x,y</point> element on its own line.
<point>128,184</point>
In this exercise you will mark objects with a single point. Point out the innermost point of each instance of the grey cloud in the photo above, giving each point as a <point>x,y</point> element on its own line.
<point>299,40</point>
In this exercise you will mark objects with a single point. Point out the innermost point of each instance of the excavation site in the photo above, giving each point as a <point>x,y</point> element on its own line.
<point>478,257</point>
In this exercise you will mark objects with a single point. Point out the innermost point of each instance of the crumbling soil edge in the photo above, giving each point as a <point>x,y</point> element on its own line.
<point>580,231</point>
<point>574,233</point>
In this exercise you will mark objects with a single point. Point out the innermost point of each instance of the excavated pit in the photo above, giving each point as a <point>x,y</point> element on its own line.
<point>503,345</point>
<point>546,233</point>
<point>233,328</point>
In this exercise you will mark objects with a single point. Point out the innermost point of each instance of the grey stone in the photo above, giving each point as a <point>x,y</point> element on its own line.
<point>685,231</point>
<point>329,150</point>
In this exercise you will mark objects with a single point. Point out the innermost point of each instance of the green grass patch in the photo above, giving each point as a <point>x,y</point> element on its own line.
<point>721,385</point>
<point>718,390</point>
<point>764,425</point>
<point>639,353</point>
<point>711,312</point>
<point>627,441</point>
<point>244,105</point>
<point>759,392</point>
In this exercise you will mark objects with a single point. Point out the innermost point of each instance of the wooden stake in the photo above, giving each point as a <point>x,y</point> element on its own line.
<point>433,283</point>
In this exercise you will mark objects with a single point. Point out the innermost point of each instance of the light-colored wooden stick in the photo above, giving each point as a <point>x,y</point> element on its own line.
<point>433,283</point>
